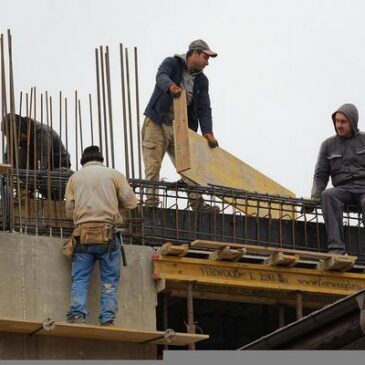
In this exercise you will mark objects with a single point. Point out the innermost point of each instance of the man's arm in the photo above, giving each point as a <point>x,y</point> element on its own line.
<point>321,173</point>
<point>165,73</point>
<point>126,196</point>
<point>70,199</point>
<point>204,109</point>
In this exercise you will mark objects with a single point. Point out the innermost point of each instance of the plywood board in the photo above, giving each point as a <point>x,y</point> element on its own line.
<point>217,166</point>
<point>121,334</point>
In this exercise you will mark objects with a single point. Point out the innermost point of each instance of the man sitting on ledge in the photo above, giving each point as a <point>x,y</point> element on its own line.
<point>341,157</point>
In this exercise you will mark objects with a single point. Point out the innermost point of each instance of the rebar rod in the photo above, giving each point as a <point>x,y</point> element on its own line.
<point>124,110</point>
<point>29,106</point>
<point>104,106</point>
<point>129,113</point>
<point>35,196</point>
<point>49,120</point>
<point>12,134</point>
<point>66,124</point>
<point>60,197</point>
<point>98,99</point>
<point>76,134</point>
<point>80,124</point>
<point>108,83</point>
<point>136,79</point>
<point>91,120</point>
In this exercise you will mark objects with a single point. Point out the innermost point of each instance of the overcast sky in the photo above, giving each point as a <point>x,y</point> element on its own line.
<point>283,66</point>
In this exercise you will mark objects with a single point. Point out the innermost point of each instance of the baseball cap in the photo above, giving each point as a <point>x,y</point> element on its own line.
<point>200,45</point>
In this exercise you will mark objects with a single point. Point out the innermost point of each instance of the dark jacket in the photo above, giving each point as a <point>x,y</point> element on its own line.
<point>342,159</point>
<point>159,108</point>
<point>44,142</point>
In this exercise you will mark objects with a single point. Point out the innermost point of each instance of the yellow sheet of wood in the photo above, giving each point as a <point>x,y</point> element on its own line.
<point>219,167</point>
<point>121,334</point>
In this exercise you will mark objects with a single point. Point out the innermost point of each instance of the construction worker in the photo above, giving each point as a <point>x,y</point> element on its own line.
<point>94,196</point>
<point>43,141</point>
<point>341,157</point>
<point>181,72</point>
<point>39,147</point>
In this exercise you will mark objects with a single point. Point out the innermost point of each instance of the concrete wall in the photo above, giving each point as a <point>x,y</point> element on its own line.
<point>35,285</point>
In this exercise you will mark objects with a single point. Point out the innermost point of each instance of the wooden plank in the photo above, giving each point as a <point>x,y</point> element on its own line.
<point>168,249</point>
<point>181,134</point>
<point>264,250</point>
<point>282,259</point>
<point>337,263</point>
<point>203,165</point>
<point>227,253</point>
<point>121,334</point>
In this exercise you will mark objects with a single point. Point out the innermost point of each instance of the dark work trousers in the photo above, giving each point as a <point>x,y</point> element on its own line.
<point>333,201</point>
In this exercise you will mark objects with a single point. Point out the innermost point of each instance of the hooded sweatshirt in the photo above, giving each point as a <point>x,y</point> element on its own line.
<point>342,159</point>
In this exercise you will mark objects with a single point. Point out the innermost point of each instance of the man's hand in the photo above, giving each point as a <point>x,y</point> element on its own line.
<point>309,208</point>
<point>175,90</point>
<point>212,142</point>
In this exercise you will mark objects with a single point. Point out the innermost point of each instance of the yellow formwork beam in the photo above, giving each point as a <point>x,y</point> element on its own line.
<point>258,282</point>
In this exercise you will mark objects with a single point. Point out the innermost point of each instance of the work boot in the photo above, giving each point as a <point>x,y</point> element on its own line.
<point>79,319</point>
<point>200,206</point>
<point>337,251</point>
<point>107,324</point>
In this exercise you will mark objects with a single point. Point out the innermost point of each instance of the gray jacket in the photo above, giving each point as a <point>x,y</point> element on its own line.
<point>342,159</point>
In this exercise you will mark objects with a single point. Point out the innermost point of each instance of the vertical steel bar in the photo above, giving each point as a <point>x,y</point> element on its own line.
<point>104,106</point>
<point>281,316</point>
<point>6,201</point>
<point>66,125</point>
<point>98,99</point>
<point>299,305</point>
<point>4,111</point>
<point>91,120</point>
<point>60,197</point>
<point>136,78</point>
<point>29,128</point>
<point>129,113</point>
<point>190,310</point>
<point>108,83</point>
<point>49,158</point>
<point>35,154</point>
<point>80,124</point>
<point>76,136</point>
<point>126,155</point>
<point>165,318</point>
<point>12,135</point>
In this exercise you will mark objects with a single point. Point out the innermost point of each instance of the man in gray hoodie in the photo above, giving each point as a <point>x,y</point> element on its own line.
<point>341,157</point>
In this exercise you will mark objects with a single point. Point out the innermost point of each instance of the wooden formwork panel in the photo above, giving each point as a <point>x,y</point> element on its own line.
<point>204,165</point>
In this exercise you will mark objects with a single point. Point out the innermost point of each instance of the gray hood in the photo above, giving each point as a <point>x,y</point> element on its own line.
<point>351,113</point>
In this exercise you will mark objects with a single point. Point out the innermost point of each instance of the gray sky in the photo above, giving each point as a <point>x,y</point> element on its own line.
<point>283,66</point>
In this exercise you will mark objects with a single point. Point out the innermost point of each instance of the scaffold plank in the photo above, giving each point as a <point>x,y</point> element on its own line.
<point>121,334</point>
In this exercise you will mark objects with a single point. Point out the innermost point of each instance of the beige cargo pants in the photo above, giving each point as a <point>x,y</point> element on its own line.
<point>157,139</point>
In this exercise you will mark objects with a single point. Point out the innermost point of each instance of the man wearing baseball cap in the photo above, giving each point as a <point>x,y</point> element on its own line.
<point>175,74</point>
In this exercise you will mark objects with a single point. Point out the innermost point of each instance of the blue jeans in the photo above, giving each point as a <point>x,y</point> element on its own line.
<point>109,257</point>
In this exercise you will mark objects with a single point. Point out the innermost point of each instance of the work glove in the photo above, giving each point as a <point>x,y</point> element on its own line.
<point>175,90</point>
<point>212,142</point>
